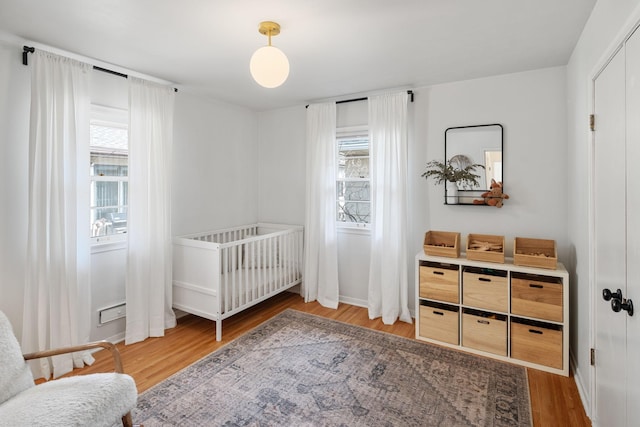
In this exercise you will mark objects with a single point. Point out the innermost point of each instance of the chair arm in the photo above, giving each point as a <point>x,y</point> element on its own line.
<point>82,347</point>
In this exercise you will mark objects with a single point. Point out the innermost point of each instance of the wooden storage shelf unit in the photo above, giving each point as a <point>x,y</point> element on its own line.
<point>508,312</point>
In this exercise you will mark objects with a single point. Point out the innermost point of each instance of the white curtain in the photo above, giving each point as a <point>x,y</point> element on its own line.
<point>388,283</point>
<point>321,246</point>
<point>148,278</point>
<point>57,289</point>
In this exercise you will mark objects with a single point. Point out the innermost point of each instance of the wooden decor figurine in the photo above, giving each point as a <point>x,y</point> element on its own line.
<point>494,196</point>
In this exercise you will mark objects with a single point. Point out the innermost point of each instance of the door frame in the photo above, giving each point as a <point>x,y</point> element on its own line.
<point>626,31</point>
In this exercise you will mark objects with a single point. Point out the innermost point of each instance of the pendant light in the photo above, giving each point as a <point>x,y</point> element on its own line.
<point>269,66</point>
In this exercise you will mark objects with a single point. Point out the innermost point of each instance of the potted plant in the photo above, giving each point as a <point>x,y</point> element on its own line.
<point>452,175</point>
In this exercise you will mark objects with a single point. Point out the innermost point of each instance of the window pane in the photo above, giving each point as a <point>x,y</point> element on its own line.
<point>104,193</point>
<point>350,167</point>
<point>353,158</point>
<point>109,194</point>
<point>354,212</point>
<point>353,190</point>
<point>353,201</point>
<point>109,220</point>
<point>109,164</point>
<point>352,187</point>
<point>357,145</point>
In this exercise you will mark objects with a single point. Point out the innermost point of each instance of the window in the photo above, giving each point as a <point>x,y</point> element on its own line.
<point>353,199</point>
<point>109,151</point>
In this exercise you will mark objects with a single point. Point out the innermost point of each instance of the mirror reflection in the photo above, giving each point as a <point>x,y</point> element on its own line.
<point>479,144</point>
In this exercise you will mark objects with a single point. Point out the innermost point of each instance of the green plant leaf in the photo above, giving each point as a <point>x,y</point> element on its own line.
<point>441,172</point>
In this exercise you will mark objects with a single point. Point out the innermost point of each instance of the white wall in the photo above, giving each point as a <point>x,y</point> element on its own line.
<point>107,261</point>
<point>219,180</point>
<point>531,107</point>
<point>108,264</point>
<point>107,274</point>
<point>215,174</point>
<point>215,148</point>
<point>282,180</point>
<point>281,172</point>
<point>354,245</point>
<point>609,21</point>
<point>14,160</point>
<point>214,170</point>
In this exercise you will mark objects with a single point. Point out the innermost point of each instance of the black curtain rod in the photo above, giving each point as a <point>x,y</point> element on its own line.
<point>28,49</point>
<point>115,73</point>
<point>344,101</point>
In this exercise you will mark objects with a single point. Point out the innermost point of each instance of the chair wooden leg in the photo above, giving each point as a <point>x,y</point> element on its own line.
<point>126,420</point>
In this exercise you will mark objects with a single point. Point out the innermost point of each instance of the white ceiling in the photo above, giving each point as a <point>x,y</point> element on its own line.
<point>336,48</point>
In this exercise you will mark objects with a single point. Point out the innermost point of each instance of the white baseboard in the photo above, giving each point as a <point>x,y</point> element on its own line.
<point>363,303</point>
<point>179,313</point>
<point>581,385</point>
<point>115,339</point>
<point>353,301</point>
<point>297,289</point>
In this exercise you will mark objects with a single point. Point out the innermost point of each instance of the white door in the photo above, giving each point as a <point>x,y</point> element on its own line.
<point>633,226</point>
<point>616,222</point>
<point>609,239</point>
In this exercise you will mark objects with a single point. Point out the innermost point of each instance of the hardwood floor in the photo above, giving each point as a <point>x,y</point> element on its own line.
<point>554,399</point>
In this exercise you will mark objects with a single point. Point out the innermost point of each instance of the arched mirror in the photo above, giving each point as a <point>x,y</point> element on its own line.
<point>480,145</point>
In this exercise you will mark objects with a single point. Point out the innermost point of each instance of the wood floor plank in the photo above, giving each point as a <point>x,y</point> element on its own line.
<point>554,399</point>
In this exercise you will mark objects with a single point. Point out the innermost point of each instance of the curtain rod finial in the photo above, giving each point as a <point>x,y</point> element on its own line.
<point>25,50</point>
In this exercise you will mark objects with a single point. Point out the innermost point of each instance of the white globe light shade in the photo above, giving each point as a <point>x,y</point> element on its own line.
<point>269,67</point>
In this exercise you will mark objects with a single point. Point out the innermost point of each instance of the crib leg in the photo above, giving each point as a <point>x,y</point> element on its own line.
<point>219,330</point>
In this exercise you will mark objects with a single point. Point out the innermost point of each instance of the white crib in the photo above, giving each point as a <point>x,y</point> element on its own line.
<point>220,273</point>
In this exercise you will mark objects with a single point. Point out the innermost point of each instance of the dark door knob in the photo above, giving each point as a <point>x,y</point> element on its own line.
<point>626,305</point>
<point>608,295</point>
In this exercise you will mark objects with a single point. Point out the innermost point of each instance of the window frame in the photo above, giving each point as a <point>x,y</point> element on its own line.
<point>117,118</point>
<point>343,133</point>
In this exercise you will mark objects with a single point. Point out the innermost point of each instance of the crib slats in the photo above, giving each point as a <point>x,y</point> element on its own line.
<point>224,278</point>
<point>255,292</point>
<point>280,261</point>
<point>269,264</point>
<point>255,263</point>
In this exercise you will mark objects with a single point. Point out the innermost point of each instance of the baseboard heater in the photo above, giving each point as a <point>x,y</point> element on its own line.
<point>112,313</point>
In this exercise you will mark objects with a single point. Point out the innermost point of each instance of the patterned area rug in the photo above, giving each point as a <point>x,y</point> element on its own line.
<point>302,370</point>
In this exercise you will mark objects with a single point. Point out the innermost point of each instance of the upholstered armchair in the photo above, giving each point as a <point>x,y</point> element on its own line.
<point>101,399</point>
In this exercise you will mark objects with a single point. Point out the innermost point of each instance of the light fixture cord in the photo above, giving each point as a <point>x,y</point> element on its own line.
<point>269,34</point>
